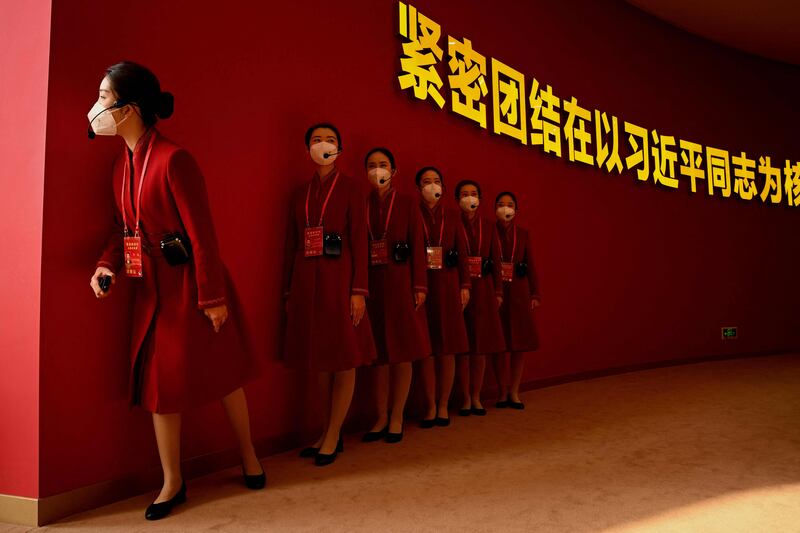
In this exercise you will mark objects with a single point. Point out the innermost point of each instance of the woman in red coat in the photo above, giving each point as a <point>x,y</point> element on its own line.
<point>187,344</point>
<point>398,286</point>
<point>484,329</point>
<point>448,295</point>
<point>521,297</point>
<point>325,286</point>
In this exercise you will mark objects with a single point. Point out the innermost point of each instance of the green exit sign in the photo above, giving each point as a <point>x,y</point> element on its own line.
<point>730,333</point>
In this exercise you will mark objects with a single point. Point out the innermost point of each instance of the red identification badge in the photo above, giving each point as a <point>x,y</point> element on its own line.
<point>434,257</point>
<point>313,241</point>
<point>475,266</point>
<point>508,271</point>
<point>133,256</point>
<point>378,252</point>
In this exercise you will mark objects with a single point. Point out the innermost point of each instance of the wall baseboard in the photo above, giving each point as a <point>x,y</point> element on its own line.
<point>38,512</point>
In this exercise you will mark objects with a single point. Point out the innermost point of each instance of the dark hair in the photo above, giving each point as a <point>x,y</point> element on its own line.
<point>321,125</point>
<point>506,193</point>
<point>423,170</point>
<point>135,84</point>
<point>380,150</point>
<point>462,183</point>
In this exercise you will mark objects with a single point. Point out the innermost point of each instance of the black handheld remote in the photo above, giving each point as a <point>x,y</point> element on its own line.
<point>104,282</point>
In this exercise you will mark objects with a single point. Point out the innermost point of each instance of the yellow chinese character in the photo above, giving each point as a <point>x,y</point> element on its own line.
<point>420,55</point>
<point>792,183</point>
<point>467,81</point>
<point>639,156</point>
<point>744,175</point>
<point>606,154</point>
<point>575,130</point>
<point>718,171</point>
<point>691,155</point>
<point>664,160</point>
<point>545,119</point>
<point>772,181</point>
<point>510,117</point>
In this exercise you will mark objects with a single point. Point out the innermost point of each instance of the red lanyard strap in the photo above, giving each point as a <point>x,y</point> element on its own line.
<point>324,205</point>
<point>388,217</point>
<point>480,237</point>
<point>126,184</point>
<point>513,247</point>
<point>441,229</point>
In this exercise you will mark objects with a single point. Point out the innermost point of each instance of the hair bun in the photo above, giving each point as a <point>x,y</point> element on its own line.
<point>166,105</point>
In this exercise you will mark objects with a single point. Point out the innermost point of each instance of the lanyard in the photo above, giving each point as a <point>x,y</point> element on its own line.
<point>480,236</point>
<point>126,184</point>
<point>441,230</point>
<point>388,217</point>
<point>324,205</point>
<point>513,248</point>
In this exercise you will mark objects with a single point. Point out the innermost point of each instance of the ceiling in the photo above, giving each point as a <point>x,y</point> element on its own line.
<point>768,28</point>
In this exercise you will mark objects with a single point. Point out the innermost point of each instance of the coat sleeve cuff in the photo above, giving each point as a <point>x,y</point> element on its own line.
<point>207,304</point>
<point>107,265</point>
<point>360,292</point>
<point>421,289</point>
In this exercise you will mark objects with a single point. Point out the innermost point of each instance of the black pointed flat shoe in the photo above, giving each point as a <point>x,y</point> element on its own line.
<point>374,436</point>
<point>464,411</point>
<point>157,511</point>
<point>478,411</point>
<point>255,481</point>
<point>442,422</point>
<point>516,405</point>
<point>426,423</point>
<point>503,404</point>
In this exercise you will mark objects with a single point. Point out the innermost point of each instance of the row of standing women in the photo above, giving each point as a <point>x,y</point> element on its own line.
<point>395,280</point>
<point>385,283</point>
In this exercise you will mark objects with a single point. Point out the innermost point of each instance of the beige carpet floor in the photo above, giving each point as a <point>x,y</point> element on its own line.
<point>705,447</point>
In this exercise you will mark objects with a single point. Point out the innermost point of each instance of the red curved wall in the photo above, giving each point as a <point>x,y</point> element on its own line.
<point>630,273</point>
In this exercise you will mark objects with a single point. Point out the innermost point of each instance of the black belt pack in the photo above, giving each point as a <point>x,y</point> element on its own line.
<point>176,249</point>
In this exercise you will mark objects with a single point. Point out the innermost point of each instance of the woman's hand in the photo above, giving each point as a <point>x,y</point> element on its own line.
<point>358,305</point>
<point>217,315</point>
<point>464,298</point>
<point>535,303</point>
<point>95,282</point>
<point>419,300</point>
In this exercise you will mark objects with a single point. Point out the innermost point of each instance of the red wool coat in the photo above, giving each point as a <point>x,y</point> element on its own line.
<point>178,361</point>
<point>482,315</point>
<point>320,335</point>
<point>445,316</point>
<point>399,329</point>
<point>516,313</point>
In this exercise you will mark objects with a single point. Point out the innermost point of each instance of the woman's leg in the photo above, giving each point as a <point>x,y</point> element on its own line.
<point>478,368</point>
<point>235,405</point>
<point>500,364</point>
<point>463,380</point>
<point>517,366</point>
<point>428,372</point>
<point>401,383</point>
<point>446,374</point>
<point>325,386</point>
<point>342,394</point>
<point>381,391</point>
<point>168,438</point>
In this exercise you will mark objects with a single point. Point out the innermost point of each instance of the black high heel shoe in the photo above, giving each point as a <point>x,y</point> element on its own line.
<point>516,405</point>
<point>255,481</point>
<point>373,436</point>
<point>157,511</point>
<point>324,459</point>
<point>312,451</point>
<point>464,411</point>
<point>427,423</point>
<point>478,411</point>
<point>442,422</point>
<point>504,403</point>
<point>393,438</point>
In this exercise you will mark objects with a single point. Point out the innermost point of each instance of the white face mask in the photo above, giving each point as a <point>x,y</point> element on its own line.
<point>319,152</point>
<point>469,203</point>
<point>432,192</point>
<point>102,120</point>
<point>505,213</point>
<point>379,177</point>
